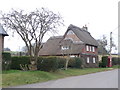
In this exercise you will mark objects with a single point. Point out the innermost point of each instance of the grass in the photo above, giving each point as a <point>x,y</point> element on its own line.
<point>17,77</point>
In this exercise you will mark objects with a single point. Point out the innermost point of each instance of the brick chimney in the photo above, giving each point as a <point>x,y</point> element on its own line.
<point>85,28</point>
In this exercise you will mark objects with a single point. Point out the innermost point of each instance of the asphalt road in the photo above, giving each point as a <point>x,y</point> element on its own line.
<point>107,79</point>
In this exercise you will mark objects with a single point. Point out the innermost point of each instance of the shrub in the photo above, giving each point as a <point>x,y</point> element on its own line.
<point>115,61</point>
<point>6,61</point>
<point>78,63</point>
<point>17,61</point>
<point>104,62</point>
<point>61,62</point>
<point>75,62</point>
<point>71,63</point>
<point>48,64</point>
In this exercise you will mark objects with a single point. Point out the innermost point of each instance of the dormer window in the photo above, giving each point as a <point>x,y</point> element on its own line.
<point>65,47</point>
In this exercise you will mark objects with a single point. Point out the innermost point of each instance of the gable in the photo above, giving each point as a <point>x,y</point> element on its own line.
<point>83,35</point>
<point>71,35</point>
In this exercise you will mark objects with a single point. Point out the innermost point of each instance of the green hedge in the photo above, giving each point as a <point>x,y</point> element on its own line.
<point>48,64</point>
<point>115,61</point>
<point>62,62</point>
<point>104,62</point>
<point>75,63</point>
<point>16,61</point>
<point>6,61</point>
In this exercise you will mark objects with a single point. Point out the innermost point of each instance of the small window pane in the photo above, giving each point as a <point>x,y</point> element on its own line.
<point>90,48</point>
<point>65,47</point>
<point>87,48</point>
<point>93,48</point>
<point>94,60</point>
<point>88,60</point>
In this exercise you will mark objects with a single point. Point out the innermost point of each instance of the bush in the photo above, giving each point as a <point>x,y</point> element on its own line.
<point>78,63</point>
<point>104,62</point>
<point>115,61</point>
<point>75,63</point>
<point>43,63</point>
<point>6,61</point>
<point>62,62</point>
<point>71,63</point>
<point>47,64</point>
<point>16,61</point>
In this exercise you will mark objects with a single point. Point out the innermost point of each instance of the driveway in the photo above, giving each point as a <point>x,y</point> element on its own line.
<point>107,79</point>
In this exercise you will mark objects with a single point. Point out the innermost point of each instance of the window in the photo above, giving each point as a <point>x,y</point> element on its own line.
<point>93,49</point>
<point>65,47</point>
<point>94,60</point>
<point>87,48</point>
<point>90,48</point>
<point>70,32</point>
<point>72,56</point>
<point>88,59</point>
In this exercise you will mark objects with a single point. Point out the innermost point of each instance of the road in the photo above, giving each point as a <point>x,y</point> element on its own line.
<point>107,79</point>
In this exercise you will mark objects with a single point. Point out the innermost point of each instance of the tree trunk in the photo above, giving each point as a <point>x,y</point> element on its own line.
<point>33,65</point>
<point>66,65</point>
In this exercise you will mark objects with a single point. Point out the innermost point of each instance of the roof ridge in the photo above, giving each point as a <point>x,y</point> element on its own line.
<point>73,26</point>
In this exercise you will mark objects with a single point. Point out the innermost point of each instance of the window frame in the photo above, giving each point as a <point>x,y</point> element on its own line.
<point>65,47</point>
<point>94,60</point>
<point>88,59</point>
<point>90,48</point>
<point>87,48</point>
<point>93,49</point>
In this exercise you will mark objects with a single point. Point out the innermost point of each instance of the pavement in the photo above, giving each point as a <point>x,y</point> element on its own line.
<point>107,79</point>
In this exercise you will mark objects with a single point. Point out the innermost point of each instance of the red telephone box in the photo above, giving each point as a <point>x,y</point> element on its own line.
<point>109,61</point>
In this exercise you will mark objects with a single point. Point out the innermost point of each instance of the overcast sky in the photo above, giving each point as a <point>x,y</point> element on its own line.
<point>101,16</point>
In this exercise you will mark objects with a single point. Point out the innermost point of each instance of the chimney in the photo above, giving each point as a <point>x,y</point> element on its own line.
<point>85,27</point>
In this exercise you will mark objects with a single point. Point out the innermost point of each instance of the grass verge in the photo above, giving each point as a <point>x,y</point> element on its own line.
<point>17,77</point>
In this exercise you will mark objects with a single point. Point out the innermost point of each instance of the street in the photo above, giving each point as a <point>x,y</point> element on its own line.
<point>107,79</point>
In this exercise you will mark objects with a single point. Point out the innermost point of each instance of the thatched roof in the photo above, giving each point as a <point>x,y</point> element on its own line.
<point>53,44</point>
<point>2,31</point>
<point>53,47</point>
<point>83,35</point>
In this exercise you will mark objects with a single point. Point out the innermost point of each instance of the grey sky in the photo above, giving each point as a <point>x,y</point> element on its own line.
<point>101,16</point>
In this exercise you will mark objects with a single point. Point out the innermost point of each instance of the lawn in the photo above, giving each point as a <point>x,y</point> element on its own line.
<point>17,77</point>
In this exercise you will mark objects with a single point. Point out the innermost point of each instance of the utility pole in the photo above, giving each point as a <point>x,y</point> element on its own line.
<point>110,48</point>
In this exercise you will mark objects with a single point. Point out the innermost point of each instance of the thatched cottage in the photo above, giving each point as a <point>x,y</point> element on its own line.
<point>76,42</point>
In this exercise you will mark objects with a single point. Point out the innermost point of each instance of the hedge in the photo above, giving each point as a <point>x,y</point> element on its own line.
<point>75,63</point>
<point>16,61</point>
<point>50,63</point>
<point>104,62</point>
<point>115,61</point>
<point>47,64</point>
<point>6,61</point>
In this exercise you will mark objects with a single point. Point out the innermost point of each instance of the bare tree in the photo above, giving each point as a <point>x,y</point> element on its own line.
<point>103,45</point>
<point>32,27</point>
